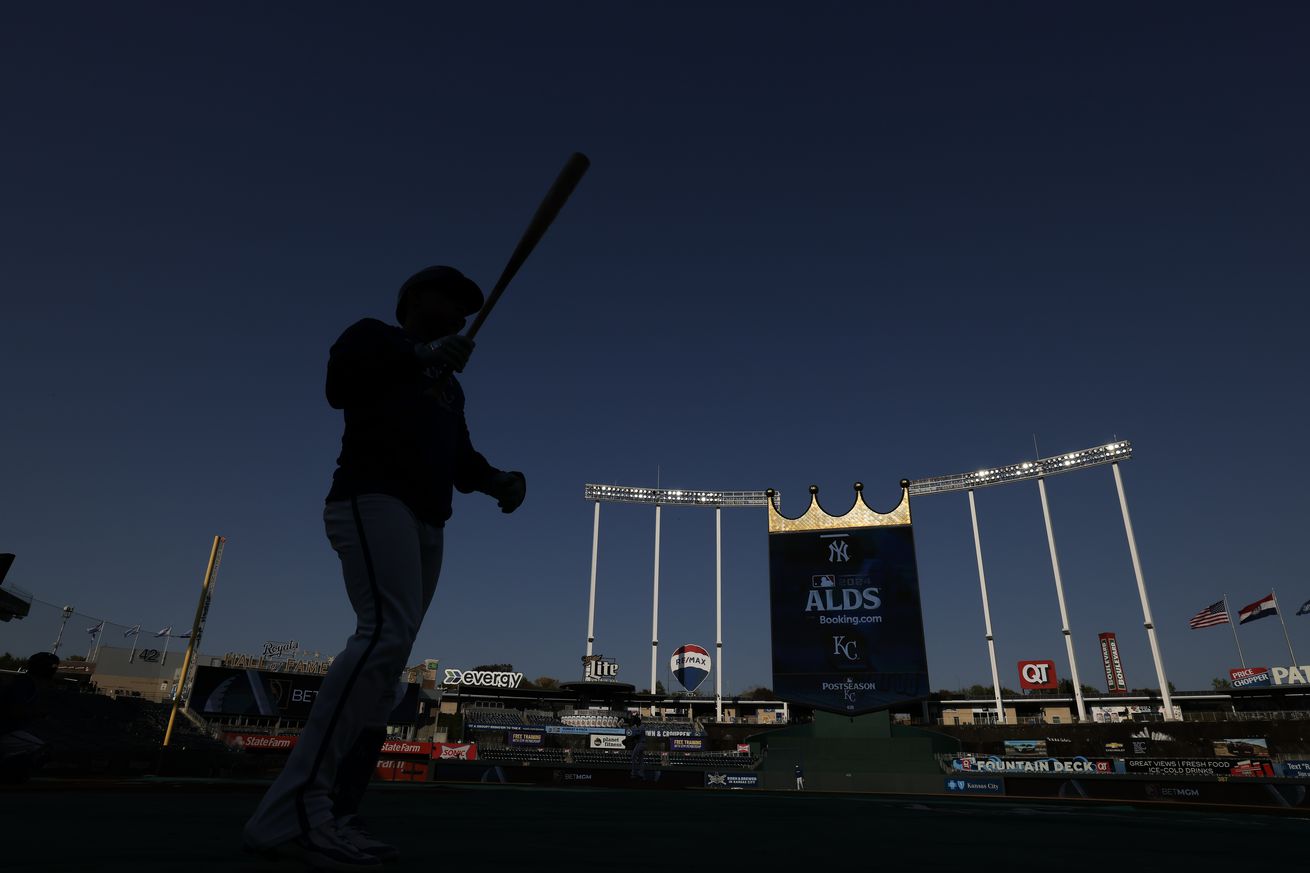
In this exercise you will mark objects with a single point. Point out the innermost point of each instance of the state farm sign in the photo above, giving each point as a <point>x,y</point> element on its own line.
<point>261,742</point>
<point>406,747</point>
<point>1038,675</point>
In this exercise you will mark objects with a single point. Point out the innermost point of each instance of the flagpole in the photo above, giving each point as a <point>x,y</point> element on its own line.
<point>168,636</point>
<point>1284,624</point>
<point>132,657</point>
<point>1228,612</point>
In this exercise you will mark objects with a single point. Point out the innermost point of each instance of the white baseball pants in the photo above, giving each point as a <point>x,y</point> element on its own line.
<point>390,560</point>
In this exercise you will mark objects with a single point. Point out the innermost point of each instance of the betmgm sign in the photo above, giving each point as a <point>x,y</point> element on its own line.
<point>844,600</point>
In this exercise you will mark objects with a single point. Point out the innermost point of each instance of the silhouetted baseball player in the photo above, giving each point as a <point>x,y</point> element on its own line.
<point>405,448</point>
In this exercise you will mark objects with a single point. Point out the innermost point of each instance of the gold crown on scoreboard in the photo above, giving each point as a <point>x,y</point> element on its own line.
<point>859,515</point>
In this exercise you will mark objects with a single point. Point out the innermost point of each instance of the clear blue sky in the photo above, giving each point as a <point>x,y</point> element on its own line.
<point>819,243</point>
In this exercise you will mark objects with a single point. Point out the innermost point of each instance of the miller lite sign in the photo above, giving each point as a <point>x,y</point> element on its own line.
<point>1038,676</point>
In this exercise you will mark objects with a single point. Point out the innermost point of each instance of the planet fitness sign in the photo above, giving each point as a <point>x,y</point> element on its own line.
<point>846,620</point>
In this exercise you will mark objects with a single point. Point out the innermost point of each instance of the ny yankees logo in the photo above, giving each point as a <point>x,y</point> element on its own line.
<point>837,552</point>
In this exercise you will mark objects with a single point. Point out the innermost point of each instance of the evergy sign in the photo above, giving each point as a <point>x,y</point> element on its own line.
<point>482,677</point>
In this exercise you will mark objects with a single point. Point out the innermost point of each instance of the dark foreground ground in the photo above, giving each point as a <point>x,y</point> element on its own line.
<point>195,826</point>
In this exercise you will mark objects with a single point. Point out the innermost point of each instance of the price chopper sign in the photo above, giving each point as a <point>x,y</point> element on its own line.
<point>844,600</point>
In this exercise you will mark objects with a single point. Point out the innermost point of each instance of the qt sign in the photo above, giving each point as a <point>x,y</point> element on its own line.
<point>1038,676</point>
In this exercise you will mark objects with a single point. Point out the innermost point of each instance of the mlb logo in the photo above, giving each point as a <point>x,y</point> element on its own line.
<point>823,581</point>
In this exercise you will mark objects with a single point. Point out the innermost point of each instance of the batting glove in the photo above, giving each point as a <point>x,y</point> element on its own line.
<point>449,351</point>
<point>509,489</point>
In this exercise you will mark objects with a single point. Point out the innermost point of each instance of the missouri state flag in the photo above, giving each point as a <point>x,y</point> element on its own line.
<point>1263,607</point>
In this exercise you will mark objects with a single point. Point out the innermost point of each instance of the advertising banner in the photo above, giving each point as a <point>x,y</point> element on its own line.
<point>1250,677</point>
<point>407,747</point>
<point>1057,766</point>
<point>846,619</point>
<point>743,748</point>
<point>260,742</point>
<point>963,785</point>
<point>572,729</point>
<point>455,751</point>
<point>525,738</point>
<point>690,665</point>
<point>488,678</point>
<point>1196,767</point>
<point>1295,769</point>
<point>606,741</point>
<point>401,771</point>
<point>1114,668</point>
<point>686,744</point>
<point>1246,747</point>
<point>1025,748</point>
<point>235,691</point>
<point>732,780</point>
<point>1038,676</point>
<point>1292,675</point>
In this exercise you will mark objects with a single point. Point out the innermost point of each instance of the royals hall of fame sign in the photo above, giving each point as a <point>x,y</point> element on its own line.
<point>844,599</point>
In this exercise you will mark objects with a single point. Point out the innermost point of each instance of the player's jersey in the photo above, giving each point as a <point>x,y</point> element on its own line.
<point>405,431</point>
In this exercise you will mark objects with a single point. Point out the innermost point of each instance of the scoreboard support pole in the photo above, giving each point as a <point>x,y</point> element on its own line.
<point>987,612</point>
<point>1059,593</point>
<point>718,613</point>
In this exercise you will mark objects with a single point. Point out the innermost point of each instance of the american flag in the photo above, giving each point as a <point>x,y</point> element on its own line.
<point>1212,615</point>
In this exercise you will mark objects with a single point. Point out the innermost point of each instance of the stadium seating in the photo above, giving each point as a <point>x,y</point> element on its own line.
<point>593,718</point>
<point>494,716</point>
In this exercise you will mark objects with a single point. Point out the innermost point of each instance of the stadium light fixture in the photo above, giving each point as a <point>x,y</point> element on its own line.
<point>659,498</point>
<point>674,496</point>
<point>1110,453</point>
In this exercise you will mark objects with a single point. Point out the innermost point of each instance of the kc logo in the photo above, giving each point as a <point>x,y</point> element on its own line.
<point>850,651</point>
<point>1037,674</point>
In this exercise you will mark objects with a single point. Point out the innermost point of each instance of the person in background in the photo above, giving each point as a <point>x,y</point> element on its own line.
<point>22,702</point>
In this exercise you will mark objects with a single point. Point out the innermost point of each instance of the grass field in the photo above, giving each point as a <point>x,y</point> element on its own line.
<point>195,826</point>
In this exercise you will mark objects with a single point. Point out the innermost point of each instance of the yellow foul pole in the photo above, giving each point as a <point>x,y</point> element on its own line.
<point>197,626</point>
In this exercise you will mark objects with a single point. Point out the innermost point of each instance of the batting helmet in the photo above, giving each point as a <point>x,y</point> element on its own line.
<point>445,279</point>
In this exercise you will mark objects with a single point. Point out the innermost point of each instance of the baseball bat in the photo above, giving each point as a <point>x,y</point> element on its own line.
<point>554,200</point>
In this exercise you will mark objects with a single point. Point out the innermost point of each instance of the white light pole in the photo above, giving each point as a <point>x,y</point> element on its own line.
<point>987,612</point>
<point>1146,603</point>
<point>655,606</point>
<point>718,613</point>
<point>1039,469</point>
<point>660,497</point>
<point>591,601</point>
<point>1059,593</point>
